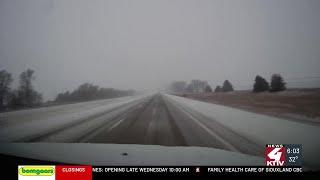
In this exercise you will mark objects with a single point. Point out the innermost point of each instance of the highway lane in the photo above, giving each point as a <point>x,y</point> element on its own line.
<point>39,124</point>
<point>150,123</point>
<point>158,119</point>
<point>153,119</point>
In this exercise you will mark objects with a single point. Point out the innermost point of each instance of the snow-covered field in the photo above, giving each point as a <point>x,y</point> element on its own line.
<point>300,105</point>
<point>260,128</point>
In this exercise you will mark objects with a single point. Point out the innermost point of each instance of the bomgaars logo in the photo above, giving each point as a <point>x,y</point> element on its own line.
<point>275,155</point>
<point>39,172</point>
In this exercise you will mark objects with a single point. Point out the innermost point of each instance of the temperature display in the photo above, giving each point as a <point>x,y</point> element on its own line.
<point>293,154</point>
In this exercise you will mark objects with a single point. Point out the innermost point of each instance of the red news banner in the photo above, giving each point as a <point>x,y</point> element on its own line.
<point>73,172</point>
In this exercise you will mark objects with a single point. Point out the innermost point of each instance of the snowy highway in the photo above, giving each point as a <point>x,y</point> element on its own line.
<point>159,119</point>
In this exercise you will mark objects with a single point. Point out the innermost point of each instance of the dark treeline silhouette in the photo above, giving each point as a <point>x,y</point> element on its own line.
<point>24,96</point>
<point>260,84</point>
<point>218,89</point>
<point>226,87</point>
<point>199,86</point>
<point>87,92</point>
<point>277,84</point>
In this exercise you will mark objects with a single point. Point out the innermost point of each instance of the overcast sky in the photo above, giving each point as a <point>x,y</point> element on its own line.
<point>145,44</point>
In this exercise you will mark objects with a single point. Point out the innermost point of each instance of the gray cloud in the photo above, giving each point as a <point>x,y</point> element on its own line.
<point>145,44</point>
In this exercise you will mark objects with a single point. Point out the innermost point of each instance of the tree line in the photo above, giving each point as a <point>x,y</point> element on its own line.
<point>87,92</point>
<point>277,84</point>
<point>199,86</point>
<point>24,96</point>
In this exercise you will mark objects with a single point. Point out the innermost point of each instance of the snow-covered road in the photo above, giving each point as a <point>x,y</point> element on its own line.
<point>159,119</point>
<point>26,125</point>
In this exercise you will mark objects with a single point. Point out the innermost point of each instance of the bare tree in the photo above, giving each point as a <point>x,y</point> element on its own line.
<point>26,94</point>
<point>5,82</point>
<point>198,85</point>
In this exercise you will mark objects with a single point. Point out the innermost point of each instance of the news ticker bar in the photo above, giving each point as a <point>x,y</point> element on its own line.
<point>63,172</point>
<point>194,170</point>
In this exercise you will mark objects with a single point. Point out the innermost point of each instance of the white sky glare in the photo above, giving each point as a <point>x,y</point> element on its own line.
<point>145,44</point>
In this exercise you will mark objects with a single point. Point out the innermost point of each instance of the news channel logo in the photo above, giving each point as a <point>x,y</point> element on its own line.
<point>283,155</point>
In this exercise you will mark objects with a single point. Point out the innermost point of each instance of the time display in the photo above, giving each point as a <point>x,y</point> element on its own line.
<point>293,154</point>
<point>293,150</point>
